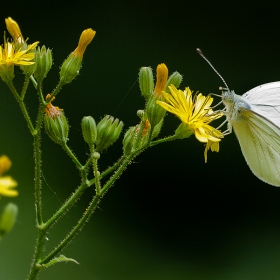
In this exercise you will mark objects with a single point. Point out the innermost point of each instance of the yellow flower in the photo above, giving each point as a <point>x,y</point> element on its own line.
<point>10,56</point>
<point>14,30</point>
<point>85,38</point>
<point>7,183</point>
<point>196,114</point>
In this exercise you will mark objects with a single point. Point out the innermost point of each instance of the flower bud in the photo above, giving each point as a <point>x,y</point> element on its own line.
<point>146,81</point>
<point>108,131</point>
<point>89,129</point>
<point>56,124</point>
<point>43,58</point>
<point>14,30</point>
<point>8,218</point>
<point>57,128</point>
<point>128,140</point>
<point>157,129</point>
<point>72,65</point>
<point>155,112</point>
<point>174,79</point>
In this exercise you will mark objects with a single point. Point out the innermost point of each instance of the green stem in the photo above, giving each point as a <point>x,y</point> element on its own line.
<point>56,91</point>
<point>37,179</point>
<point>95,156</point>
<point>67,205</point>
<point>70,236</point>
<point>33,81</point>
<point>90,209</point>
<point>163,140</point>
<point>72,156</point>
<point>25,86</point>
<point>22,107</point>
<point>112,168</point>
<point>40,242</point>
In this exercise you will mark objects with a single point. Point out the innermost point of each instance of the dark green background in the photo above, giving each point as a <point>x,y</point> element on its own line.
<point>170,216</point>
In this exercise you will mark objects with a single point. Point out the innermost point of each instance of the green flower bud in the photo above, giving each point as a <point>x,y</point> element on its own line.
<point>128,140</point>
<point>70,68</point>
<point>174,79</point>
<point>43,58</point>
<point>89,129</point>
<point>108,131</point>
<point>8,218</point>
<point>57,128</point>
<point>157,129</point>
<point>155,112</point>
<point>146,81</point>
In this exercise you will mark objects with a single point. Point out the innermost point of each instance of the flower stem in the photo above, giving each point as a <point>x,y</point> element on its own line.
<point>22,107</point>
<point>163,140</point>
<point>70,236</point>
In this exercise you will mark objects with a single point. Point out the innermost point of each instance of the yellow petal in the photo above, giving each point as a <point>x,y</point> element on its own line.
<point>6,185</point>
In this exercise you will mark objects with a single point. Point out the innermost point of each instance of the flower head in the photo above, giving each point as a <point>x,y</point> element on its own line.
<point>10,56</point>
<point>196,114</point>
<point>7,183</point>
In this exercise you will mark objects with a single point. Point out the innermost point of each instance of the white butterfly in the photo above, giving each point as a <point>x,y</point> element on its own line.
<point>255,119</point>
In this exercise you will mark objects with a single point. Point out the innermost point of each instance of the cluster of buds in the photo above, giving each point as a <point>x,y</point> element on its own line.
<point>153,93</point>
<point>137,136</point>
<point>153,115</point>
<point>102,135</point>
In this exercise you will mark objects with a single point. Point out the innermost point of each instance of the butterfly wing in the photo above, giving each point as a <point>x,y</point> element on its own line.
<point>259,139</point>
<point>265,100</point>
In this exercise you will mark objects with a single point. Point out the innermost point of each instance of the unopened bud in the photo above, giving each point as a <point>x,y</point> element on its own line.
<point>174,79</point>
<point>43,58</point>
<point>155,112</point>
<point>146,81</point>
<point>89,129</point>
<point>108,131</point>
<point>129,139</point>
<point>8,218</point>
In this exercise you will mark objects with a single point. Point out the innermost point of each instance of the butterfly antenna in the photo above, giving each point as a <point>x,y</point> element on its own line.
<point>202,55</point>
